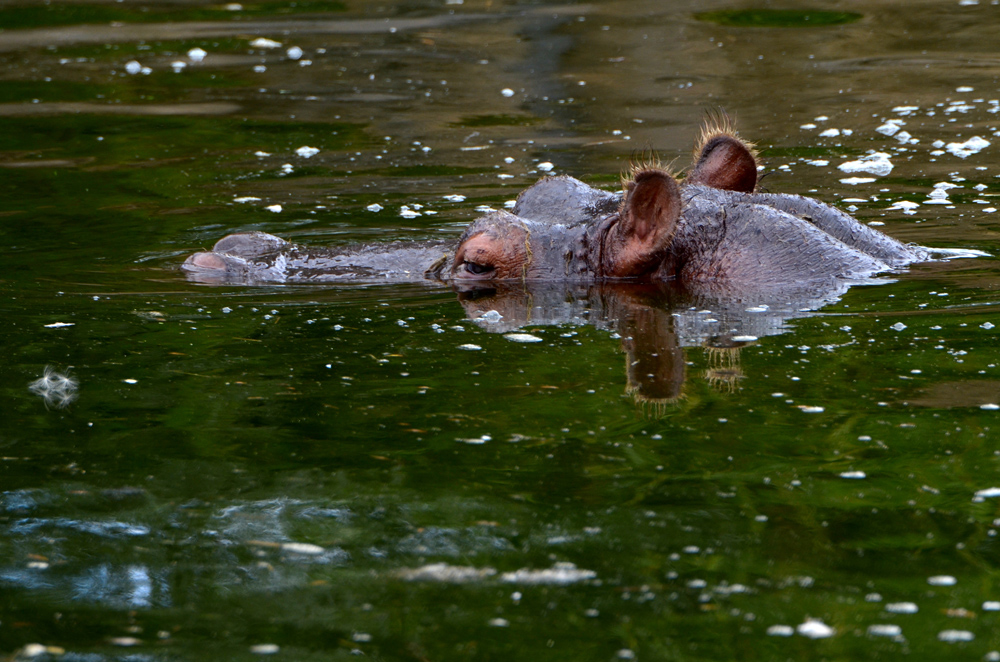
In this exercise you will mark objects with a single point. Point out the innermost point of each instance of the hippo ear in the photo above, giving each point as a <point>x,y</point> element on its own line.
<point>636,244</point>
<point>723,160</point>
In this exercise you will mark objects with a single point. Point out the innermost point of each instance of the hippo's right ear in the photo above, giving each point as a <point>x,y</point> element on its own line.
<point>722,159</point>
<point>636,244</point>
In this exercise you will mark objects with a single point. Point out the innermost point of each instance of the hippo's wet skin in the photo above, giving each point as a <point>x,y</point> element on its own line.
<point>711,232</point>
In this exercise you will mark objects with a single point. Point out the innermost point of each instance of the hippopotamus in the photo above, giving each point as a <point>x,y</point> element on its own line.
<point>712,231</point>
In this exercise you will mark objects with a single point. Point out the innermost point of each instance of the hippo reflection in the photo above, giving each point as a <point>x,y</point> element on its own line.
<point>654,320</point>
<point>713,232</point>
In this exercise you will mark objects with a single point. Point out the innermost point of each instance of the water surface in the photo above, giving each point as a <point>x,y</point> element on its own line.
<point>213,472</point>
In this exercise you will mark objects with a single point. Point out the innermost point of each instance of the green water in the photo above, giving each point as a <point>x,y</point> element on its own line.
<point>240,472</point>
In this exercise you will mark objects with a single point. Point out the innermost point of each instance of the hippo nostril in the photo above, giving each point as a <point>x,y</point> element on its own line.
<point>209,261</point>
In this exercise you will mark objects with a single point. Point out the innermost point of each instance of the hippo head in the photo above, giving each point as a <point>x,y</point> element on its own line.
<point>562,229</point>
<point>627,243</point>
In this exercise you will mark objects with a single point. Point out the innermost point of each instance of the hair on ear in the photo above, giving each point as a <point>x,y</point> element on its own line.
<point>723,160</point>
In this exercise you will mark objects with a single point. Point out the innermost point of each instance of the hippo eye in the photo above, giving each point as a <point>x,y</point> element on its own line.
<point>478,269</point>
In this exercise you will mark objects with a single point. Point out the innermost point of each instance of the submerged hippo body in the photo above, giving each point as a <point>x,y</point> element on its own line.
<point>712,232</point>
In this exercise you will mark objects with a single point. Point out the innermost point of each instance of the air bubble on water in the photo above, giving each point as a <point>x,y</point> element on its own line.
<point>470,347</point>
<point>560,574</point>
<point>780,631</point>
<point>942,580</point>
<point>263,42</point>
<point>131,381</point>
<point>274,208</point>
<point>265,649</point>
<point>988,493</point>
<point>133,67</point>
<point>986,325</point>
<point>178,66</point>
<point>885,630</point>
<point>406,212</point>
<point>905,206</point>
<point>259,68</point>
<point>890,128</point>
<point>876,163</point>
<point>815,629</point>
<point>442,572</point>
<point>455,197</point>
<point>854,181</point>
<point>545,166</point>
<point>811,409</point>
<point>522,337</point>
<point>898,326</point>
<point>955,636</point>
<point>507,92</point>
<point>902,608</point>
<point>991,605</point>
<point>196,54</point>
<point>808,126</point>
<point>294,53</point>
<point>830,133</point>
<point>307,152</point>
<point>853,475</point>
<point>965,149</point>
<point>304,548</point>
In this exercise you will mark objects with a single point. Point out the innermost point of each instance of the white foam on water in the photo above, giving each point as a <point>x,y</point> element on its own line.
<point>815,629</point>
<point>876,163</point>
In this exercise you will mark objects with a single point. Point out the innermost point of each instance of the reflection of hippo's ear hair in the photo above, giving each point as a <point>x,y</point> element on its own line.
<point>724,372</point>
<point>722,159</point>
<point>646,224</point>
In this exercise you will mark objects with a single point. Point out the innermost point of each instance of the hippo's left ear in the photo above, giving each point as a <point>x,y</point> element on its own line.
<point>636,244</point>
<point>723,160</point>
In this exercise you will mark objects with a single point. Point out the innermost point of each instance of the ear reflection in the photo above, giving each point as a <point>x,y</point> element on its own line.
<point>656,321</point>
